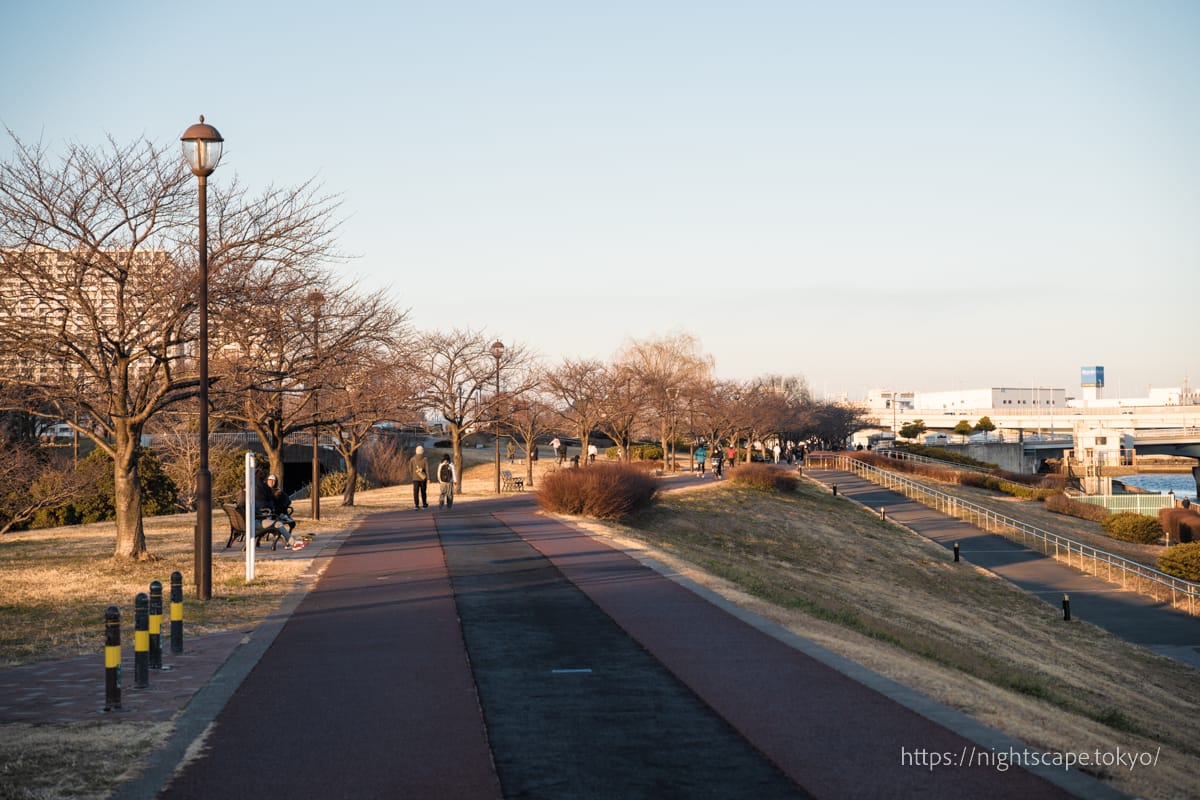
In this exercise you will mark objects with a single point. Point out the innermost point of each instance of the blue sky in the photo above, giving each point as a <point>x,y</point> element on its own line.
<point>925,195</point>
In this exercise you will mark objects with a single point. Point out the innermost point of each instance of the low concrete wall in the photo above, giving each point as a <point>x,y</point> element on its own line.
<point>1007,456</point>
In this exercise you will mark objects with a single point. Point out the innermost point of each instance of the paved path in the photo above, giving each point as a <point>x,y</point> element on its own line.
<point>492,652</point>
<point>1133,617</point>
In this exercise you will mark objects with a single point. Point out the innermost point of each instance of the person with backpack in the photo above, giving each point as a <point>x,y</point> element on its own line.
<point>446,476</point>
<point>419,469</point>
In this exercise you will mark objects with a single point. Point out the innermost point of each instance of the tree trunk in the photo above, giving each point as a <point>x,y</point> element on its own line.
<point>456,449</point>
<point>351,477</point>
<point>127,498</point>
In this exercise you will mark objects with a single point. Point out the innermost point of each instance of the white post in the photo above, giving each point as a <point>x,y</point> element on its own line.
<point>250,517</point>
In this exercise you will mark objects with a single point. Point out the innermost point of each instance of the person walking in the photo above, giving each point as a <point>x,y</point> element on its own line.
<point>446,476</point>
<point>592,453</point>
<point>556,445</point>
<point>419,469</point>
<point>701,457</point>
<point>511,450</point>
<point>718,462</point>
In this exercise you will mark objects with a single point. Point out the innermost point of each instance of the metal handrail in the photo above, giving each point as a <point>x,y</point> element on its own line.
<point>1114,568</point>
<point>898,454</point>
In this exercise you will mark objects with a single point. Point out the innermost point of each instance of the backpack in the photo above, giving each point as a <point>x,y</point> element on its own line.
<point>445,472</point>
<point>419,473</point>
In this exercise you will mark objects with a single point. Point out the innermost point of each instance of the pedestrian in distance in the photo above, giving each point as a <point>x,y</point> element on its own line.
<point>512,451</point>
<point>701,457</point>
<point>555,446</point>
<point>419,469</point>
<point>446,477</point>
<point>718,463</point>
<point>592,451</point>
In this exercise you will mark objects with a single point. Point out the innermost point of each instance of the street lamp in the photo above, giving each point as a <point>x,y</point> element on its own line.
<point>497,353</point>
<point>202,151</point>
<point>316,298</point>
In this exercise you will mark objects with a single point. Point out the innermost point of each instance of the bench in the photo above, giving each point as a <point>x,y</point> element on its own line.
<point>510,484</point>
<point>237,528</point>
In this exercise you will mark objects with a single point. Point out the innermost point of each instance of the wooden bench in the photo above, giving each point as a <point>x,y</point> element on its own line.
<point>510,484</point>
<point>237,528</point>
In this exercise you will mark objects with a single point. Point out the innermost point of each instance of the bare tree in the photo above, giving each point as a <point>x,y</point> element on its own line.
<point>622,407</point>
<point>662,368</point>
<point>531,416</point>
<point>99,274</point>
<point>578,386</point>
<point>457,372</point>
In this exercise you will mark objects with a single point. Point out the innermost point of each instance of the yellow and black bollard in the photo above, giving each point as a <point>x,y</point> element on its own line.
<point>112,659</point>
<point>176,612</point>
<point>155,624</point>
<point>141,641</point>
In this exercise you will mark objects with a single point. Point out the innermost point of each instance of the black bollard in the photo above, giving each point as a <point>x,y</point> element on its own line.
<point>176,612</point>
<point>112,659</point>
<point>141,641</point>
<point>1067,608</point>
<point>956,552</point>
<point>882,512</point>
<point>155,625</point>
<point>835,490</point>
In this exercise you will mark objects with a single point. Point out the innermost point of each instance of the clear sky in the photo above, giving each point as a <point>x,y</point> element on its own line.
<point>925,195</point>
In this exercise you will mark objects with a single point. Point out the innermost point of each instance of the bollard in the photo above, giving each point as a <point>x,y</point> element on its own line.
<point>1067,608</point>
<point>112,659</point>
<point>155,625</point>
<point>176,612</point>
<point>141,641</point>
<point>956,552</point>
<point>834,490</point>
<point>882,512</point>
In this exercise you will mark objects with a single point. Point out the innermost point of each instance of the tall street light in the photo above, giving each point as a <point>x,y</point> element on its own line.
<point>202,151</point>
<point>497,353</point>
<point>316,298</point>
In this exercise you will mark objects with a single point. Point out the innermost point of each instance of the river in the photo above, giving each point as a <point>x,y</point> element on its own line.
<point>1183,485</point>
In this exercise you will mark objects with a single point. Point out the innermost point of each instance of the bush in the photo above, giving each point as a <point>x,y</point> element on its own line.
<point>97,505</point>
<point>601,491</point>
<point>334,483</point>
<point>383,461</point>
<point>1182,561</point>
<point>1180,524</point>
<point>1131,527</point>
<point>1061,504</point>
<point>762,476</point>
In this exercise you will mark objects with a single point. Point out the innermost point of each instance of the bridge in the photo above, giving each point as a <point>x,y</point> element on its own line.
<point>1156,430</point>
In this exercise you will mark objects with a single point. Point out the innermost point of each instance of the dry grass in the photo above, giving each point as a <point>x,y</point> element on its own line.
<point>834,573</point>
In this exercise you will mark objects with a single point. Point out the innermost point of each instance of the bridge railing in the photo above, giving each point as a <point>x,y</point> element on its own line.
<point>897,454</point>
<point>1147,504</point>
<point>1130,575</point>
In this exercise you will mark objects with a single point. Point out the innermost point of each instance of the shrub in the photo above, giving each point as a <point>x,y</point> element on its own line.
<point>334,483</point>
<point>762,476</point>
<point>1061,504</point>
<point>1182,561</point>
<point>97,505</point>
<point>383,461</point>
<point>601,491</point>
<point>1180,524</point>
<point>1131,527</point>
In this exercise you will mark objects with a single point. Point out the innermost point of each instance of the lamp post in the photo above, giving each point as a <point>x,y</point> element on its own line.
<point>497,353</point>
<point>316,298</point>
<point>202,151</point>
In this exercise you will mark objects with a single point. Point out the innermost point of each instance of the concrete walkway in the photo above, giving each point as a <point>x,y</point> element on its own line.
<point>1133,617</point>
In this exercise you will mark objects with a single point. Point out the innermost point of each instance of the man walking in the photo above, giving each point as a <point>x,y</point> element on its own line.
<point>419,469</point>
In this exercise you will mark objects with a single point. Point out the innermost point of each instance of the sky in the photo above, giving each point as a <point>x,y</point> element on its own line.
<point>918,195</point>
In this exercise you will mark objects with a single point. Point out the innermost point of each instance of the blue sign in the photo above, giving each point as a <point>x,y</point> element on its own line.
<point>1092,377</point>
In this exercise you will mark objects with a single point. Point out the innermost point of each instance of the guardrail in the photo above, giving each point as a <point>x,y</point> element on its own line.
<point>903,455</point>
<point>1130,575</point>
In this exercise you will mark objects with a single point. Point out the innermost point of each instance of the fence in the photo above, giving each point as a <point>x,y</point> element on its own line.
<point>1130,575</point>
<point>1147,504</point>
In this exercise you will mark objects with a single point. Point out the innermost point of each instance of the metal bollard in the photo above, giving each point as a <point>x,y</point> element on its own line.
<point>1066,608</point>
<point>834,489</point>
<point>155,625</point>
<point>112,659</point>
<point>956,552</point>
<point>141,641</point>
<point>176,612</point>
<point>882,512</point>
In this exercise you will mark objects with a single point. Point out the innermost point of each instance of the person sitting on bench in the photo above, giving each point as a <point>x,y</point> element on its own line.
<point>265,515</point>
